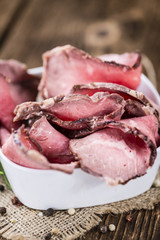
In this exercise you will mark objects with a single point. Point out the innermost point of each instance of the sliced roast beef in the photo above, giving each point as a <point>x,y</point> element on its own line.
<point>72,107</point>
<point>7,105</point>
<point>19,149</point>
<point>65,167</point>
<point>13,70</point>
<point>22,86</point>
<point>126,93</point>
<point>84,123</point>
<point>22,151</point>
<point>147,125</point>
<point>4,135</point>
<point>122,59</point>
<point>85,114</point>
<point>119,152</point>
<point>91,88</point>
<point>135,109</point>
<point>143,123</point>
<point>66,66</point>
<point>24,91</point>
<point>53,144</point>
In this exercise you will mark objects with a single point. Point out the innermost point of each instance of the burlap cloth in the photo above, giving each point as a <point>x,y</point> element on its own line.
<point>24,223</point>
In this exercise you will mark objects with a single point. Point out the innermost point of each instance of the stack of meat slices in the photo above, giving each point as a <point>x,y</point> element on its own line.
<point>107,129</point>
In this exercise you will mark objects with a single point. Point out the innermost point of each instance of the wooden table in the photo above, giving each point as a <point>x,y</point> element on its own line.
<point>30,27</point>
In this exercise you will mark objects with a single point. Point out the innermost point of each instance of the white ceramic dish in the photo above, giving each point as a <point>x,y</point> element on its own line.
<point>42,189</point>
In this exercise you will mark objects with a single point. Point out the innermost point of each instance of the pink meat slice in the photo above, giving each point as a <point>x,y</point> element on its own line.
<point>145,124</point>
<point>136,109</point>
<point>20,150</point>
<point>84,123</point>
<point>14,70</point>
<point>135,100</point>
<point>4,135</point>
<point>53,144</point>
<point>22,86</point>
<point>66,66</point>
<point>127,93</point>
<point>72,107</point>
<point>78,106</point>
<point>123,59</point>
<point>119,152</point>
<point>7,105</point>
<point>112,154</point>
<point>148,125</point>
<point>24,91</point>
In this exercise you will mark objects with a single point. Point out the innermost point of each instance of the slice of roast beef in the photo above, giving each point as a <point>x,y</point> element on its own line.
<point>135,109</point>
<point>122,59</point>
<point>126,93</point>
<point>13,70</point>
<point>158,134</point>
<point>66,66</point>
<point>119,152</point>
<point>143,123</point>
<point>72,107</point>
<point>23,86</point>
<point>53,144</point>
<point>4,135</point>
<point>7,105</point>
<point>20,150</point>
<point>65,167</point>
<point>84,123</point>
<point>24,91</point>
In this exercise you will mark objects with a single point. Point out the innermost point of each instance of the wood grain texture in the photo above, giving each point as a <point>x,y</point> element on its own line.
<point>9,14</point>
<point>144,226</point>
<point>7,11</point>
<point>96,26</point>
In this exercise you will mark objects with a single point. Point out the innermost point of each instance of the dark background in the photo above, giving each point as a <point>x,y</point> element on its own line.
<point>30,27</point>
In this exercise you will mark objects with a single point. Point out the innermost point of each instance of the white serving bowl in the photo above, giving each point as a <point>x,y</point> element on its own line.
<point>42,189</point>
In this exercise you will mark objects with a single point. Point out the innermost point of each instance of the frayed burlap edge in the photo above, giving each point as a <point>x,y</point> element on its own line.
<point>22,223</point>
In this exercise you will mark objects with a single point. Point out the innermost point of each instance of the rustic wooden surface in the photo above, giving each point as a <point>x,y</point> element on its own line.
<point>144,226</point>
<point>30,27</point>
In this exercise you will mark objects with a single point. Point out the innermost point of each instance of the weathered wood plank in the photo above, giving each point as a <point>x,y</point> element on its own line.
<point>130,226</point>
<point>124,230</point>
<point>95,26</point>
<point>9,14</point>
<point>156,227</point>
<point>7,10</point>
<point>152,226</point>
<point>145,225</point>
<point>42,28</point>
<point>120,228</point>
<point>111,219</point>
